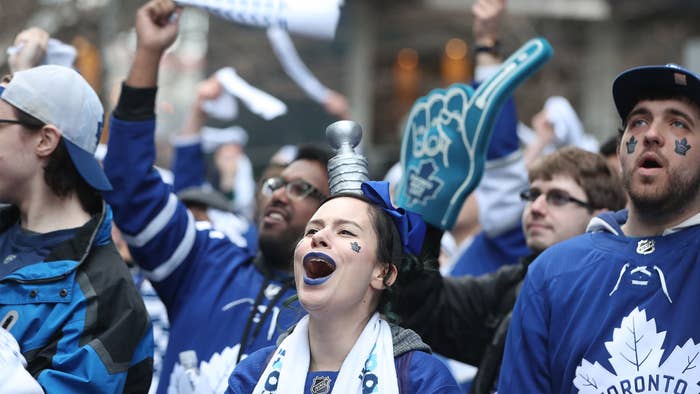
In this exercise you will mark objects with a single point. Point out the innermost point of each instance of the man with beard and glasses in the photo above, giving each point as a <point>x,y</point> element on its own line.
<point>223,301</point>
<point>611,311</point>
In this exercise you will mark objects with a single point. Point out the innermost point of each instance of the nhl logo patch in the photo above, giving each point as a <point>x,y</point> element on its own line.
<point>321,385</point>
<point>645,246</point>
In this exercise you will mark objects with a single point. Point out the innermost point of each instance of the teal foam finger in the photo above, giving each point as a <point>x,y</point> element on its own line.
<point>447,134</point>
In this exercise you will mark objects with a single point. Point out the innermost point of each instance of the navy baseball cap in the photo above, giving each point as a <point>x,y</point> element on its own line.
<point>653,81</point>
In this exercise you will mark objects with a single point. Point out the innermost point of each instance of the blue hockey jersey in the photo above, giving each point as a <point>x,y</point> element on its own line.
<point>607,313</point>
<point>217,293</point>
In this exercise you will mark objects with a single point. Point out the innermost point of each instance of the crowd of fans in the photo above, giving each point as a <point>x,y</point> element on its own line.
<point>546,262</point>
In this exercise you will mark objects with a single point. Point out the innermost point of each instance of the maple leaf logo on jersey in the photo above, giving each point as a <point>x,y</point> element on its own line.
<point>213,374</point>
<point>636,351</point>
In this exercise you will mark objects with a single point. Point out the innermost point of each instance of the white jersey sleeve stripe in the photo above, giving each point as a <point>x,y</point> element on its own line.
<point>155,226</point>
<point>170,265</point>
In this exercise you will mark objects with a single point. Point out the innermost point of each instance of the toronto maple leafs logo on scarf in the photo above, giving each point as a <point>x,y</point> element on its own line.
<point>635,355</point>
<point>272,381</point>
<point>370,381</point>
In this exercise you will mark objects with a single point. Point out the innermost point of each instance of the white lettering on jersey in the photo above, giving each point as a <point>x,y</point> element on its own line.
<point>635,354</point>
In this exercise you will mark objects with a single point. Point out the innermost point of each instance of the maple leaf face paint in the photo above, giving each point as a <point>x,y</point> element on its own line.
<point>659,166</point>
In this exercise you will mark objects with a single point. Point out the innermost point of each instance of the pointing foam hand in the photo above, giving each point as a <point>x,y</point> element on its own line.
<point>447,136</point>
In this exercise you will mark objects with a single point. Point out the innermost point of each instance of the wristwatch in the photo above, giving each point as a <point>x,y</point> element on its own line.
<point>493,49</point>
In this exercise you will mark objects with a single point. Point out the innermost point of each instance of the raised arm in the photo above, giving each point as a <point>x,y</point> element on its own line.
<point>334,103</point>
<point>30,48</point>
<point>505,175</point>
<point>156,29</point>
<point>189,167</point>
<point>159,230</point>
<point>486,29</point>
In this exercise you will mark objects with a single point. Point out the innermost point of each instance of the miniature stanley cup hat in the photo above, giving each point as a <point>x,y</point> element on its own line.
<point>348,173</point>
<point>670,80</point>
<point>347,170</point>
<point>59,96</point>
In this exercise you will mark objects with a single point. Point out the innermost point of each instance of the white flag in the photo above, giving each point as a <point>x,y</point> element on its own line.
<point>317,18</point>
<point>259,102</point>
<point>57,53</point>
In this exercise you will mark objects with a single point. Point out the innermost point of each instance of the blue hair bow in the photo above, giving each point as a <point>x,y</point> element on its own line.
<point>410,225</point>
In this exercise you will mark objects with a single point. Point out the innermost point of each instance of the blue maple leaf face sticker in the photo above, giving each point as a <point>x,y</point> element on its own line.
<point>422,184</point>
<point>631,144</point>
<point>682,146</point>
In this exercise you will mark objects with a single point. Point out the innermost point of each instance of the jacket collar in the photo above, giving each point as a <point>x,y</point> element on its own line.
<point>97,230</point>
<point>612,222</point>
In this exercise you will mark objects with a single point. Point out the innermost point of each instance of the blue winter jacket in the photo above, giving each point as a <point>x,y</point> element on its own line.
<point>77,316</point>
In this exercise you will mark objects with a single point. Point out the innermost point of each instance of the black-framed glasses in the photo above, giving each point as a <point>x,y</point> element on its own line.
<point>554,197</point>
<point>11,121</point>
<point>296,189</point>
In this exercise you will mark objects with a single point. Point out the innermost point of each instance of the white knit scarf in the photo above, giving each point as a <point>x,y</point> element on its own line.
<point>369,364</point>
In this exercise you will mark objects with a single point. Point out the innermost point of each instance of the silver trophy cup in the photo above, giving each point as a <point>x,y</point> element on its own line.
<point>347,169</point>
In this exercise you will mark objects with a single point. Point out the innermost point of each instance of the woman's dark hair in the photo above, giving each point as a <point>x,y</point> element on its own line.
<point>60,173</point>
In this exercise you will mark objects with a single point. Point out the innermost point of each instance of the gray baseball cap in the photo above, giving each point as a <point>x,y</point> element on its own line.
<point>59,96</point>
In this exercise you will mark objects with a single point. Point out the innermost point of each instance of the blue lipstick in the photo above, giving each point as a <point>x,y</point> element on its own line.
<point>311,262</point>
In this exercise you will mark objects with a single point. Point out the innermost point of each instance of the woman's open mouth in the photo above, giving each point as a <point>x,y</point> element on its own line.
<point>318,268</point>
